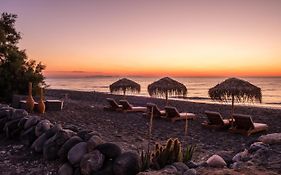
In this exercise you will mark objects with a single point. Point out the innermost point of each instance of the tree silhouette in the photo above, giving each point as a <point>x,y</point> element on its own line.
<point>16,70</point>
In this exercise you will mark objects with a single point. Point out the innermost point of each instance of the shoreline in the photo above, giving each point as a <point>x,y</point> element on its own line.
<point>202,100</point>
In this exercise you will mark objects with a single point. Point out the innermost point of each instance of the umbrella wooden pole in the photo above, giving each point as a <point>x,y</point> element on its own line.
<point>150,129</point>
<point>232,106</point>
<point>186,128</point>
<point>166,95</point>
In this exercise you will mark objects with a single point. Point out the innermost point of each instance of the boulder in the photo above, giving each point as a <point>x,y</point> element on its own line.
<point>53,144</point>
<point>227,156</point>
<point>67,146</point>
<point>50,149</point>
<point>76,153</point>
<point>242,156</point>
<point>91,162</point>
<point>10,128</point>
<point>28,136</point>
<point>127,164</point>
<point>65,169</point>
<point>63,135</point>
<point>18,113</point>
<point>106,169</point>
<point>3,121</point>
<point>38,144</point>
<point>216,161</point>
<point>52,131</point>
<point>190,172</point>
<point>256,146</point>
<point>110,150</point>
<point>93,142</point>
<point>274,138</point>
<point>22,122</point>
<point>87,134</point>
<point>181,167</point>
<point>31,121</point>
<point>42,127</point>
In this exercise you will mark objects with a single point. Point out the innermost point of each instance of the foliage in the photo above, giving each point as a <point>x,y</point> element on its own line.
<point>167,154</point>
<point>187,156</point>
<point>145,160</point>
<point>15,68</point>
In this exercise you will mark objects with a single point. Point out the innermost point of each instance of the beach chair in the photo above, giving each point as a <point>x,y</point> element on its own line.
<point>127,107</point>
<point>215,121</point>
<point>243,124</point>
<point>157,113</point>
<point>113,105</point>
<point>173,114</point>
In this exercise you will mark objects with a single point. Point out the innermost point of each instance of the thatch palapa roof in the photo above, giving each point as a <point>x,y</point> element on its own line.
<point>241,90</point>
<point>166,86</point>
<point>124,85</point>
<point>235,90</point>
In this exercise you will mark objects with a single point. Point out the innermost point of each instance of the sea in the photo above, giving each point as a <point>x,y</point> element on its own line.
<point>197,87</point>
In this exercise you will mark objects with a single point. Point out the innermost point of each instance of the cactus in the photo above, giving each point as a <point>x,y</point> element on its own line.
<point>167,154</point>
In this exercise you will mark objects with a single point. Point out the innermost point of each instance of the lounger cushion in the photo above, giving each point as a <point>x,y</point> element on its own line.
<point>215,118</point>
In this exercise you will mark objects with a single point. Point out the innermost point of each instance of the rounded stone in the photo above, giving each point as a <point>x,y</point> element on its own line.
<point>42,127</point>
<point>216,161</point>
<point>19,113</point>
<point>190,172</point>
<point>76,153</point>
<point>93,142</point>
<point>31,121</point>
<point>181,167</point>
<point>65,169</point>
<point>52,131</point>
<point>38,144</point>
<point>110,150</point>
<point>127,164</point>
<point>67,146</point>
<point>91,162</point>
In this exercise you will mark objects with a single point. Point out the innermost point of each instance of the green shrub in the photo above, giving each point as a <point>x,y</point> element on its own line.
<point>15,68</point>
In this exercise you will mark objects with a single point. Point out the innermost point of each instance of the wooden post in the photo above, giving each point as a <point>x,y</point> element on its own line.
<point>150,128</point>
<point>186,128</point>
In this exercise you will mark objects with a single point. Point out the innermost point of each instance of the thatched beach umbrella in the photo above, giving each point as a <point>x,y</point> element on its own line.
<point>165,87</point>
<point>124,85</point>
<point>235,90</point>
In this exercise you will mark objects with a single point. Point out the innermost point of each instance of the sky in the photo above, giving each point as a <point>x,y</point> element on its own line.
<point>151,37</point>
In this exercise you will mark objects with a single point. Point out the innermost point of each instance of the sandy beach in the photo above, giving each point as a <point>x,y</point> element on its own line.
<point>85,109</point>
<point>130,130</point>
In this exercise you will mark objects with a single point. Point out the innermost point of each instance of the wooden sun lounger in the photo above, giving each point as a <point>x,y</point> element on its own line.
<point>127,107</point>
<point>243,124</point>
<point>157,113</point>
<point>215,121</point>
<point>113,105</point>
<point>173,114</point>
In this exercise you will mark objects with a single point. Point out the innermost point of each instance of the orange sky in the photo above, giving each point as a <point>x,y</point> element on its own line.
<point>156,37</point>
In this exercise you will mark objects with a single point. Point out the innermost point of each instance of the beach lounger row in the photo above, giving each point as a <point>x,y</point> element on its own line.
<point>169,113</point>
<point>242,124</point>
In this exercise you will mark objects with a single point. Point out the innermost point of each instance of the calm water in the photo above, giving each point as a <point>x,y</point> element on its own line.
<point>197,87</point>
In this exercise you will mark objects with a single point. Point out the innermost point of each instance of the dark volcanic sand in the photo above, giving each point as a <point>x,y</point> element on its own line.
<point>130,130</point>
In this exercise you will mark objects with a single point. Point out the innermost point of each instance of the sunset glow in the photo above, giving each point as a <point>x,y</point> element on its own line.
<point>157,37</point>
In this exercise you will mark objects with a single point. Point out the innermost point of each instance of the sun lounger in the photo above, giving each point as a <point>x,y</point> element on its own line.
<point>215,121</point>
<point>157,113</point>
<point>127,107</point>
<point>243,124</point>
<point>113,105</point>
<point>173,114</point>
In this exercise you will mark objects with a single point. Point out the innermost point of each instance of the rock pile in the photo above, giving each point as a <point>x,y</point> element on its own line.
<point>81,151</point>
